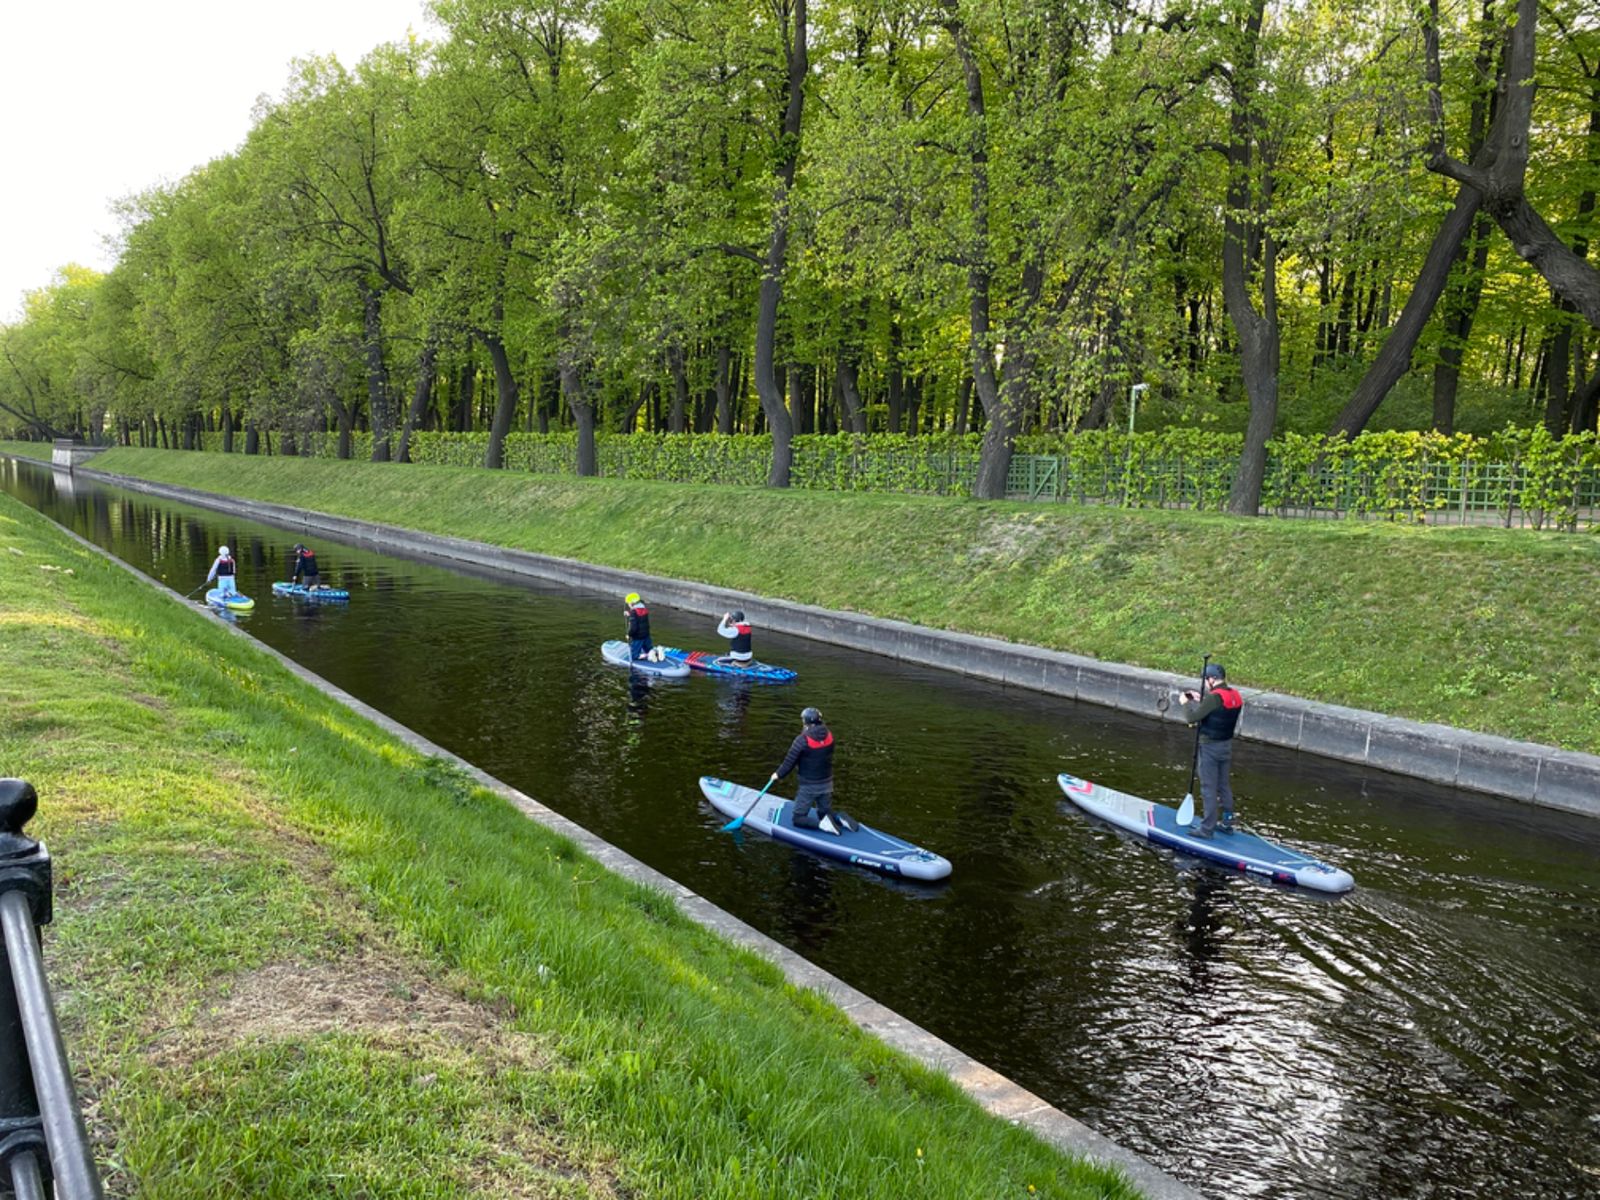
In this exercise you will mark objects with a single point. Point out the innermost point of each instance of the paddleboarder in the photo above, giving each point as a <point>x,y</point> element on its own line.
<point>736,629</point>
<point>639,643</point>
<point>811,757</point>
<point>305,566</point>
<point>223,570</point>
<point>1217,714</point>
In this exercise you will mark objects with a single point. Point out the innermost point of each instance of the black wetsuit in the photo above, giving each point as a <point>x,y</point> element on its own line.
<point>1218,716</point>
<point>811,758</point>
<point>639,643</point>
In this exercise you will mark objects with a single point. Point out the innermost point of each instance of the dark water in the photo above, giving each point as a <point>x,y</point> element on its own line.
<point>1434,1034</point>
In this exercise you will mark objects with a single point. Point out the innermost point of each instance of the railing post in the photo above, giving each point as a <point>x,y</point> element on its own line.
<point>39,1116</point>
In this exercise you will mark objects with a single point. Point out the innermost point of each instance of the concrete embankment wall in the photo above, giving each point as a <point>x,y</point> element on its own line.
<point>993,1092</point>
<point>1442,754</point>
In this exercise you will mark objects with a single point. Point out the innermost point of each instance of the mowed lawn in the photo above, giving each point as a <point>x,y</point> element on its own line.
<point>1488,629</point>
<point>295,958</point>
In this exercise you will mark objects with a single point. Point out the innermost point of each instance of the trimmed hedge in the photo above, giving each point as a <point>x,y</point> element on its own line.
<point>1522,476</point>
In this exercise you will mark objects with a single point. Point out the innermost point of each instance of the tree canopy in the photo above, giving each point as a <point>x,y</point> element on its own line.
<point>901,216</point>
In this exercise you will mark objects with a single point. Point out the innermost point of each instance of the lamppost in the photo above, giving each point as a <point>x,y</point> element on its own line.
<point>1127,460</point>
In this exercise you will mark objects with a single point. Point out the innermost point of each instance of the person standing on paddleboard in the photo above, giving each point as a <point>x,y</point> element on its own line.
<point>1217,714</point>
<point>736,629</point>
<point>811,757</point>
<point>305,566</point>
<point>223,571</point>
<point>639,643</point>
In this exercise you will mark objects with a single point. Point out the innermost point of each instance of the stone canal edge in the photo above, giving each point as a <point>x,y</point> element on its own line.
<point>1525,771</point>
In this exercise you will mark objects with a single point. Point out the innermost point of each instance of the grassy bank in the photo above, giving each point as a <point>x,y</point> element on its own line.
<point>1487,629</point>
<point>295,958</point>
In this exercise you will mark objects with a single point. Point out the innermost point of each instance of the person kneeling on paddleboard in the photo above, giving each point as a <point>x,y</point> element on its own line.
<point>736,629</point>
<point>1217,714</point>
<point>223,571</point>
<point>639,643</point>
<point>305,566</point>
<point>811,758</point>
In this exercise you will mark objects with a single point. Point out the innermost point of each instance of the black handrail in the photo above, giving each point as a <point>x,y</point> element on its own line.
<point>42,1136</point>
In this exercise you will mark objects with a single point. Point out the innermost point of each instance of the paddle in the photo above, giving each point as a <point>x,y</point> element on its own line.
<point>196,588</point>
<point>1186,809</point>
<point>739,820</point>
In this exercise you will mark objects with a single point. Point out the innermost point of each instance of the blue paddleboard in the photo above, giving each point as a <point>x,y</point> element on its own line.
<point>232,601</point>
<point>301,592</point>
<point>863,845</point>
<point>1239,851</point>
<point>618,654</point>
<point>715,664</point>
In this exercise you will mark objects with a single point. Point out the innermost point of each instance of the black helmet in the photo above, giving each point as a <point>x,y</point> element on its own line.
<point>737,615</point>
<point>1215,671</point>
<point>810,716</point>
<point>299,546</point>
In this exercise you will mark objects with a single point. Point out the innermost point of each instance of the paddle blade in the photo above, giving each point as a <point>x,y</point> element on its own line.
<point>733,824</point>
<point>1186,810</point>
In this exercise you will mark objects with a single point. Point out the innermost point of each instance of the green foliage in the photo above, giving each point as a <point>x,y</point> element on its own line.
<point>1391,474</point>
<point>562,213</point>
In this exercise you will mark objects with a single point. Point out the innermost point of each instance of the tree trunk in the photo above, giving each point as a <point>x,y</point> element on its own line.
<point>379,395</point>
<point>1556,415</point>
<point>1502,181</point>
<point>252,438</point>
<point>724,386</point>
<point>1461,310</point>
<point>771,293</point>
<point>422,398</point>
<point>963,404</point>
<point>853,416</point>
<point>1259,345</point>
<point>994,463</point>
<point>897,381</point>
<point>1394,360</point>
<point>1586,406</point>
<point>678,412</point>
<point>506,400</point>
<point>461,418</point>
<point>583,415</point>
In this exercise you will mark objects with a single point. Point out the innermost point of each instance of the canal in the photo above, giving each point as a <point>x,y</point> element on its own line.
<point>1432,1034</point>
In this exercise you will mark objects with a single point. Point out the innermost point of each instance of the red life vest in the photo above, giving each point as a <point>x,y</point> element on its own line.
<point>1219,726</point>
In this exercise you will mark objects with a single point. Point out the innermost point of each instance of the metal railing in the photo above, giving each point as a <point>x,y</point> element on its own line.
<point>44,1148</point>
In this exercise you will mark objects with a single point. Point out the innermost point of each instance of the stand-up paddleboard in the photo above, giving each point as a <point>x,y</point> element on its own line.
<point>232,601</point>
<point>1239,850</point>
<point>863,845</point>
<point>618,654</point>
<point>301,592</point>
<point>721,664</point>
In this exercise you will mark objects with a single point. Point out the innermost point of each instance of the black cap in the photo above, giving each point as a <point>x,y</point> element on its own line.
<point>737,614</point>
<point>1215,671</point>
<point>811,716</point>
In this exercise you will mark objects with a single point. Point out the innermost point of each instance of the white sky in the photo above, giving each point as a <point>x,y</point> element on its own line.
<point>100,99</point>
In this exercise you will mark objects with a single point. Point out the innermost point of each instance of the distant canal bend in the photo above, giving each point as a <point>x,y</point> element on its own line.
<point>1430,1035</point>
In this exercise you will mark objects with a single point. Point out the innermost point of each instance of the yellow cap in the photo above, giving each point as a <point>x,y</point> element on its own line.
<point>631,598</point>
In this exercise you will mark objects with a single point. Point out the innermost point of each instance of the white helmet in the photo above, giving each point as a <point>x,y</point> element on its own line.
<point>222,551</point>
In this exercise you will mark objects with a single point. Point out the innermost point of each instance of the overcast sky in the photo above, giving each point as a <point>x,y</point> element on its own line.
<point>100,99</point>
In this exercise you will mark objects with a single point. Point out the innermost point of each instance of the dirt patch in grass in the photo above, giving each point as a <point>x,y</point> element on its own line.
<point>366,994</point>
